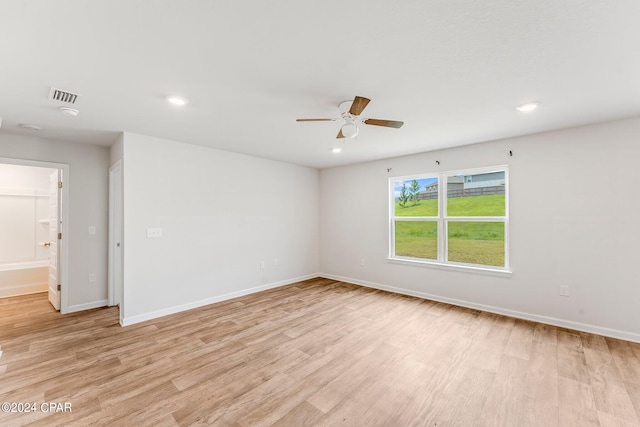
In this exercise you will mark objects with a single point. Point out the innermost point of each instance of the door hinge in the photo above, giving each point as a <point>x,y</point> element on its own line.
<point>59,184</point>
<point>59,236</point>
<point>59,287</point>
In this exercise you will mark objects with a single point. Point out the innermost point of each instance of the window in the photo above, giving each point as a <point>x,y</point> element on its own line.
<point>466,225</point>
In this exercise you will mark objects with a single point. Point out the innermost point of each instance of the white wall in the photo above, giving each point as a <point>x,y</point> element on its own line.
<point>574,221</point>
<point>116,152</point>
<point>24,201</point>
<point>17,177</point>
<point>88,195</point>
<point>221,214</point>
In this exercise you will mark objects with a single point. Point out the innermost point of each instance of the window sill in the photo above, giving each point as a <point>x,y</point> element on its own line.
<point>452,267</point>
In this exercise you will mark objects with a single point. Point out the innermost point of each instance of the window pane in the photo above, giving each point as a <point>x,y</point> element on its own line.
<point>476,242</point>
<point>416,197</point>
<point>417,239</point>
<point>481,194</point>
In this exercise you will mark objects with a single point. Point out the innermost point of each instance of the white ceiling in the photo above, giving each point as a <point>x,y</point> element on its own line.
<point>452,70</point>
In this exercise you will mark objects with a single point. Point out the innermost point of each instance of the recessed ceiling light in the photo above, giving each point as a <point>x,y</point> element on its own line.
<point>29,126</point>
<point>529,106</point>
<point>177,100</point>
<point>69,111</point>
<point>336,150</point>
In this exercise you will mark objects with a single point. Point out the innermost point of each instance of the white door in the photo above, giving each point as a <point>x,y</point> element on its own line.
<point>115,235</point>
<point>54,243</point>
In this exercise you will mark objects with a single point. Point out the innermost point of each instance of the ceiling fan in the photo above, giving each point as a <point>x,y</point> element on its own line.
<point>350,113</point>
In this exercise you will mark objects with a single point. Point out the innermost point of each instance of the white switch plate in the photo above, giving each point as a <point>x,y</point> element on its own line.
<point>154,232</point>
<point>92,230</point>
<point>92,278</point>
<point>564,290</point>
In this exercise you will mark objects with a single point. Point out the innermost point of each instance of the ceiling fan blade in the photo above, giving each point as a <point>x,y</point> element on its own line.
<point>385,123</point>
<point>316,120</point>
<point>358,105</point>
<point>340,135</point>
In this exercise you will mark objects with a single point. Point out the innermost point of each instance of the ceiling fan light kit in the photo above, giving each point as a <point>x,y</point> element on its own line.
<point>350,113</point>
<point>349,130</point>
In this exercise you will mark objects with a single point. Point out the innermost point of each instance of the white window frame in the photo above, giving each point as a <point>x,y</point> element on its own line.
<point>443,221</point>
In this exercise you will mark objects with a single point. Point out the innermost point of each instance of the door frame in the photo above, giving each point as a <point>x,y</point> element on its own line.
<point>115,278</point>
<point>63,274</point>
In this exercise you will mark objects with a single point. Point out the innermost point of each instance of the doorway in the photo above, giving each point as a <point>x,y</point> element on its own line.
<point>115,290</point>
<point>37,215</point>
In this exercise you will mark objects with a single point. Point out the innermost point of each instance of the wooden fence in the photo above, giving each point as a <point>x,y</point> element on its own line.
<point>465,192</point>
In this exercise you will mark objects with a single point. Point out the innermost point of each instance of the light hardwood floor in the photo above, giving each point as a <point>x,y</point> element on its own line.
<point>318,352</point>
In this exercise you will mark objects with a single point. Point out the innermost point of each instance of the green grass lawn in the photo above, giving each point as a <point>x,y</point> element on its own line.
<point>423,208</point>
<point>476,243</point>
<point>417,239</point>
<point>476,230</point>
<point>469,242</point>
<point>492,205</point>
<point>484,252</point>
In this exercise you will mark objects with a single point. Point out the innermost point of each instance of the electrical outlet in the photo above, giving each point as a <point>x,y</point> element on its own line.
<point>92,230</point>
<point>275,262</point>
<point>564,290</point>
<point>92,278</point>
<point>362,262</point>
<point>154,232</point>
<point>262,265</point>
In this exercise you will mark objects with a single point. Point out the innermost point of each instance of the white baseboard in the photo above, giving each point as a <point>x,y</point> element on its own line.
<point>126,321</point>
<point>612,333</point>
<point>25,289</point>
<point>87,306</point>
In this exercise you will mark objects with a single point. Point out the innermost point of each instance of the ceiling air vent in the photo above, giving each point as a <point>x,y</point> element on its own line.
<point>63,95</point>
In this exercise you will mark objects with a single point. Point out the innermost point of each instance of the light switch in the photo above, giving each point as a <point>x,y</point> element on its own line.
<point>92,230</point>
<point>154,232</point>
<point>92,278</point>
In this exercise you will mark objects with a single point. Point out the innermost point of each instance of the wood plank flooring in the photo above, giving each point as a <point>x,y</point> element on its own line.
<point>318,352</point>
